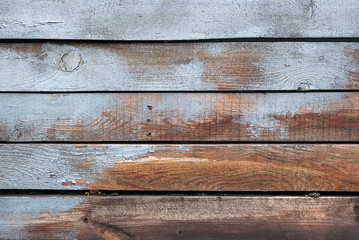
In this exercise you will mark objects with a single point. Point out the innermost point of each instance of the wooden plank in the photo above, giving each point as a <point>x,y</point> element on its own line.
<point>179,66</point>
<point>158,20</point>
<point>274,167</point>
<point>281,117</point>
<point>173,217</point>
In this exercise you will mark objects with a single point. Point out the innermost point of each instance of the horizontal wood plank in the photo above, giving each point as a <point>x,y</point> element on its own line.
<point>179,66</point>
<point>274,167</point>
<point>173,217</point>
<point>158,20</point>
<point>282,117</point>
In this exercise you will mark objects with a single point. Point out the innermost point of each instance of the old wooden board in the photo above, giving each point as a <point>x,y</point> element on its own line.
<point>182,19</point>
<point>189,66</point>
<point>120,117</point>
<point>274,167</point>
<point>184,217</point>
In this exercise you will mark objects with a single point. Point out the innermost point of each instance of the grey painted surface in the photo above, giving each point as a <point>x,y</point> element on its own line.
<point>176,66</point>
<point>183,19</point>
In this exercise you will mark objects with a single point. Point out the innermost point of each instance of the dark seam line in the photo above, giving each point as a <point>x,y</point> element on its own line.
<point>190,91</point>
<point>253,39</point>
<point>179,142</point>
<point>178,193</point>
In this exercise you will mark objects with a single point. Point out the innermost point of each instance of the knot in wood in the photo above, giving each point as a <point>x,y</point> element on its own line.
<point>304,87</point>
<point>70,61</point>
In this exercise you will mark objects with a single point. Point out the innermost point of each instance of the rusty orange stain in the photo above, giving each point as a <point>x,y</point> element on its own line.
<point>67,183</point>
<point>80,181</point>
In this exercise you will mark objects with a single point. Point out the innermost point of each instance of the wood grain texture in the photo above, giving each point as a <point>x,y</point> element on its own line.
<point>161,20</point>
<point>179,217</point>
<point>274,167</point>
<point>281,117</point>
<point>178,66</point>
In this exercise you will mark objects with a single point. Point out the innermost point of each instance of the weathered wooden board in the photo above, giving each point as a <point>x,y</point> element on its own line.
<point>182,19</point>
<point>273,167</point>
<point>178,66</point>
<point>332,116</point>
<point>184,217</point>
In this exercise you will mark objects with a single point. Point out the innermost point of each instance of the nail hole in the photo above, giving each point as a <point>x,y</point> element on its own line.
<point>148,120</point>
<point>149,107</point>
<point>148,134</point>
<point>85,220</point>
<point>179,232</point>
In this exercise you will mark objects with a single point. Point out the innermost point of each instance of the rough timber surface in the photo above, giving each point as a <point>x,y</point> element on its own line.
<point>177,20</point>
<point>178,217</point>
<point>191,66</point>
<point>167,167</point>
<point>281,117</point>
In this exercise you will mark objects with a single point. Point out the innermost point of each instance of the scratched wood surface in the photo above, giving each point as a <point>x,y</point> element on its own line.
<point>182,19</point>
<point>324,116</point>
<point>178,217</point>
<point>217,167</point>
<point>187,66</point>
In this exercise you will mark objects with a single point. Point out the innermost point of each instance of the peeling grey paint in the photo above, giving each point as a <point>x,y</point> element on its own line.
<point>260,118</point>
<point>322,66</point>
<point>43,164</point>
<point>187,107</point>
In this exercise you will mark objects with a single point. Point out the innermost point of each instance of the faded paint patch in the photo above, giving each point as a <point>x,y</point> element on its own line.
<point>41,217</point>
<point>186,107</point>
<point>23,207</point>
<point>18,213</point>
<point>260,112</point>
<point>320,66</point>
<point>189,74</point>
<point>234,66</point>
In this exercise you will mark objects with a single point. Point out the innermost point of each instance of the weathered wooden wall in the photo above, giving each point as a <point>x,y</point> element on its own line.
<point>111,128</point>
